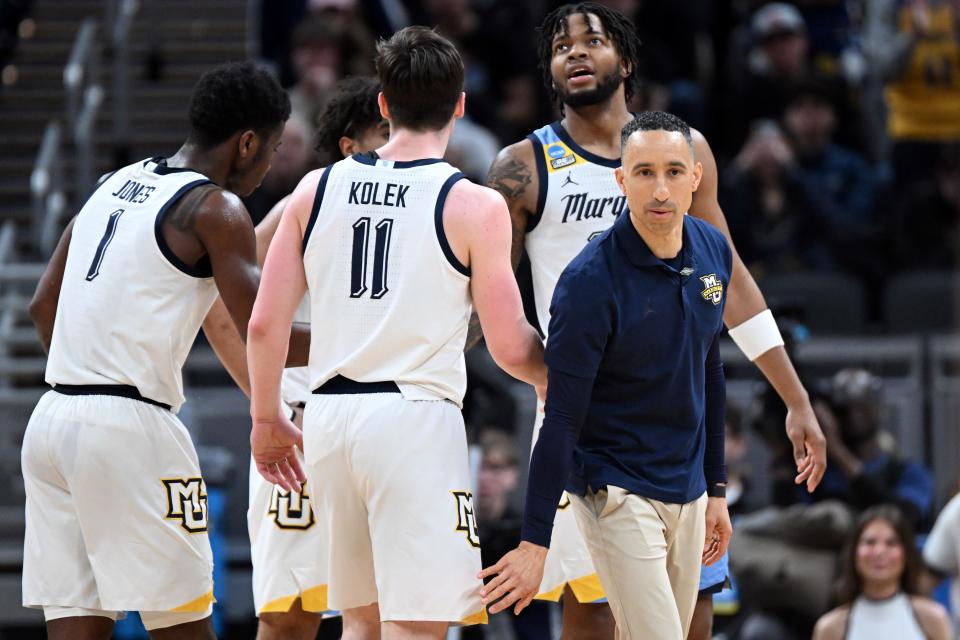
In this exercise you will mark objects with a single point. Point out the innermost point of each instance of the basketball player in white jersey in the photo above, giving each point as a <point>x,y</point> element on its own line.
<point>116,504</point>
<point>560,187</point>
<point>395,247</point>
<point>289,582</point>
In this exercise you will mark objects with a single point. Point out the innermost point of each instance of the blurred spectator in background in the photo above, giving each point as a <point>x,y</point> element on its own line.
<point>924,225</point>
<point>676,54</point>
<point>878,590</point>
<point>12,13</point>
<point>838,184</point>
<point>941,552</point>
<point>777,62</point>
<point>863,472</point>
<point>293,159</point>
<point>498,521</point>
<point>796,199</point>
<point>740,499</point>
<point>914,50</point>
<point>321,55</point>
<point>767,208</point>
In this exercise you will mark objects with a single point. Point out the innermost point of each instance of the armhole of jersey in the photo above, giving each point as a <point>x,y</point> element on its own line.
<point>203,269</point>
<point>541,163</point>
<point>317,202</point>
<point>438,223</point>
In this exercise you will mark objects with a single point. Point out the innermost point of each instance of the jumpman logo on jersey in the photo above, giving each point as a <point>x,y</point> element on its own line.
<point>569,180</point>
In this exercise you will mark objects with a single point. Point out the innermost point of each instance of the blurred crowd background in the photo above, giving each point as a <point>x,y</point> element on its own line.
<point>836,127</point>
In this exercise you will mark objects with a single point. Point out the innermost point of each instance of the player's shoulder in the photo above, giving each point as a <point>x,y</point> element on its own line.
<point>464,193</point>
<point>515,155</point>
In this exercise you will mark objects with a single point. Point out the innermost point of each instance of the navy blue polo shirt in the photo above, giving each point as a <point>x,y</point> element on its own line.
<point>633,362</point>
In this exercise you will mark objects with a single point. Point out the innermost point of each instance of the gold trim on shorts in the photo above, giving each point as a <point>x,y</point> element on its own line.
<point>480,617</point>
<point>586,590</point>
<point>198,605</point>
<point>313,600</point>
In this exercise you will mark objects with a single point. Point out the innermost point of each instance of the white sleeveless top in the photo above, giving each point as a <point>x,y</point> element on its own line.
<point>129,309</point>
<point>578,199</point>
<point>878,619</point>
<point>389,301</point>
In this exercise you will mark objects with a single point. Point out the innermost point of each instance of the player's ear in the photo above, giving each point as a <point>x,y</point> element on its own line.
<point>618,172</point>
<point>347,146</point>
<point>384,108</point>
<point>461,107</point>
<point>626,68</point>
<point>247,144</point>
<point>697,175</point>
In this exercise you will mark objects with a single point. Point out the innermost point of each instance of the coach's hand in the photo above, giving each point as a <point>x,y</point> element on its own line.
<point>719,530</point>
<point>274,444</point>
<point>809,445</point>
<point>518,577</point>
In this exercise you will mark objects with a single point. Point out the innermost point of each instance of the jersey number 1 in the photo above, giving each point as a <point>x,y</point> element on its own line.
<point>94,269</point>
<point>381,252</point>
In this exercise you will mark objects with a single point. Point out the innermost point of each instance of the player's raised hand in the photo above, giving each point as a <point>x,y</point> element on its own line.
<point>809,445</point>
<point>516,579</point>
<point>274,444</point>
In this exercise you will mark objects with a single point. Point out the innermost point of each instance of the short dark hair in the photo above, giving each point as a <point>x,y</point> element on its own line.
<point>422,77</point>
<point>655,121</point>
<point>617,26</point>
<point>850,584</point>
<point>352,110</point>
<point>237,96</point>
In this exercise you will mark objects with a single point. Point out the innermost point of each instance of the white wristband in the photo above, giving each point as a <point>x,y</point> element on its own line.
<point>757,335</point>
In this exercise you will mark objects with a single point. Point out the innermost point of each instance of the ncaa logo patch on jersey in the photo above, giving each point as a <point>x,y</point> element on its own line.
<point>291,510</point>
<point>466,521</point>
<point>712,288</point>
<point>187,502</point>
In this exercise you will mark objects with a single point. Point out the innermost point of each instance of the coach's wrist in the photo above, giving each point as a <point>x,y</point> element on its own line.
<point>534,548</point>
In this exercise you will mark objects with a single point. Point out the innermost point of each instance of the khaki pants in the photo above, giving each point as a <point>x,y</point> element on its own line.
<point>647,554</point>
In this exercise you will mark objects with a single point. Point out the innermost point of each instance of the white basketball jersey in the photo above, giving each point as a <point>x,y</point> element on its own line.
<point>578,200</point>
<point>129,309</point>
<point>389,301</point>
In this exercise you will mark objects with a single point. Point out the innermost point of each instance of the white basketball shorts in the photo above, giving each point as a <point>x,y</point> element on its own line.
<point>286,540</point>
<point>390,478</point>
<point>116,508</point>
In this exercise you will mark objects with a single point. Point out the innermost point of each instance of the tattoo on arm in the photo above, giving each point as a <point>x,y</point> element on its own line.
<point>184,214</point>
<point>510,177</point>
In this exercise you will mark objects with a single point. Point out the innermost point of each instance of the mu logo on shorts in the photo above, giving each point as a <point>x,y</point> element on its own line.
<point>291,510</point>
<point>712,288</point>
<point>466,522</point>
<point>187,503</point>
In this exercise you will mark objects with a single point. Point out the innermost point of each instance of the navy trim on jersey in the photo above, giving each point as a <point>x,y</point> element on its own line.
<point>371,157</point>
<point>542,178</point>
<point>438,223</point>
<point>564,135</point>
<point>317,201</point>
<point>161,168</point>
<point>203,268</point>
<point>118,390</point>
<point>341,385</point>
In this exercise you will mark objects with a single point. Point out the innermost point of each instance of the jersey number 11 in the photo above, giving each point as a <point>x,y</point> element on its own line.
<point>381,253</point>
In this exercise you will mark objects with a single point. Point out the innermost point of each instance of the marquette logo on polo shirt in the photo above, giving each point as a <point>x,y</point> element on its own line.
<point>712,288</point>
<point>466,521</point>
